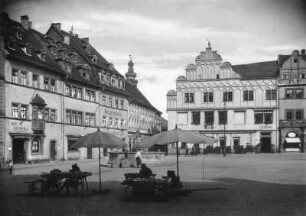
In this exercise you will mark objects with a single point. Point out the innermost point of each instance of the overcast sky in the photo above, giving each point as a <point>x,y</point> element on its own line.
<point>164,36</point>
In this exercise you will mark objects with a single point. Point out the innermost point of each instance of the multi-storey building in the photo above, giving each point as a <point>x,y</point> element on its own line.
<point>55,88</point>
<point>292,101</point>
<point>237,104</point>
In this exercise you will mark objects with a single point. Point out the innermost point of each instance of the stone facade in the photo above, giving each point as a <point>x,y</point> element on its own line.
<point>55,88</point>
<point>238,102</point>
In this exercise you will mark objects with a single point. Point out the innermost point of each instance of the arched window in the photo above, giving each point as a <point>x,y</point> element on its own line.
<point>35,147</point>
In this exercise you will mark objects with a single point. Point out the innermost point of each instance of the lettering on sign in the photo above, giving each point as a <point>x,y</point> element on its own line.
<point>112,112</point>
<point>16,127</point>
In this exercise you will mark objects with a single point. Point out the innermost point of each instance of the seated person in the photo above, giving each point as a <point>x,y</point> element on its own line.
<point>145,171</point>
<point>75,168</point>
<point>173,179</point>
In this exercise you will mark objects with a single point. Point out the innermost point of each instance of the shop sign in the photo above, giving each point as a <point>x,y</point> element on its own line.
<point>16,127</point>
<point>112,112</point>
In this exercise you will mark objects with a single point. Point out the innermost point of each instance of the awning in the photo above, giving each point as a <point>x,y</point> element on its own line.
<point>293,140</point>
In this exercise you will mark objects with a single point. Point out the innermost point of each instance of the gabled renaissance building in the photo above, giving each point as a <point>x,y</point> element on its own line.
<point>55,88</point>
<point>258,105</point>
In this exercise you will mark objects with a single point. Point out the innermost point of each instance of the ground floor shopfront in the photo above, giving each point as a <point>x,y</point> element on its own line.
<point>22,145</point>
<point>292,136</point>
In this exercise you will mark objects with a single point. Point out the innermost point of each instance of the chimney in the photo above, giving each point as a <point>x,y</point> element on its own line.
<point>303,52</point>
<point>57,26</point>
<point>25,22</point>
<point>86,40</point>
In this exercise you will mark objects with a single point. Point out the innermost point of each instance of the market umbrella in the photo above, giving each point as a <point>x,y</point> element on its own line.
<point>99,140</point>
<point>174,136</point>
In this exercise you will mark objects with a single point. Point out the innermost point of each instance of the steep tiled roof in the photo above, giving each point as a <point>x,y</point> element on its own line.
<point>31,37</point>
<point>137,97</point>
<point>258,70</point>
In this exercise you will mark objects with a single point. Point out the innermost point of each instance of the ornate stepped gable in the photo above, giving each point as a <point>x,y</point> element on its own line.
<point>209,66</point>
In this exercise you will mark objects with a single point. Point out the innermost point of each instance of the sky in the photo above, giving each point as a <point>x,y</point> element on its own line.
<point>164,36</point>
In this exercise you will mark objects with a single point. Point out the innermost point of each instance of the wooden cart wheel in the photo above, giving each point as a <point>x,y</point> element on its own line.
<point>31,188</point>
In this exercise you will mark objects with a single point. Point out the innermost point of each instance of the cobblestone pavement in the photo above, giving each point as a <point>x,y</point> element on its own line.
<point>253,184</point>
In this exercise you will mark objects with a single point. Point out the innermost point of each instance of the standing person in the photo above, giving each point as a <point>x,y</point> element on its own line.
<point>11,167</point>
<point>138,158</point>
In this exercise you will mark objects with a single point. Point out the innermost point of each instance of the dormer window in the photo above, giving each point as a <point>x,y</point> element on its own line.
<point>65,65</point>
<point>113,81</point>
<point>27,49</point>
<point>84,73</point>
<point>88,49</point>
<point>101,76</point>
<point>18,34</point>
<point>11,44</point>
<point>295,60</point>
<point>94,59</point>
<point>42,55</point>
<point>53,49</point>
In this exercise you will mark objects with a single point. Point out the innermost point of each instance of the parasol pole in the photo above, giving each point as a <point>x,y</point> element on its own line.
<point>177,159</point>
<point>100,169</point>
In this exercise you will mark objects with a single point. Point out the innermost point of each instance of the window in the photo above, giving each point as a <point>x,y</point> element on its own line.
<point>299,93</point>
<point>116,103</point>
<point>52,115</point>
<point>303,75</point>
<point>79,118</point>
<point>110,122</point>
<point>297,114</point>
<point>227,96</point>
<point>222,117</point>
<point>189,97</point>
<point>15,110</point>
<point>263,117</point>
<point>46,83</point>
<point>35,145</point>
<point>110,101</point>
<point>195,118</point>
<point>248,95</point>
<point>11,44</point>
<point>14,75</point>
<point>294,93</point>
<point>218,76</point>
<point>19,110</point>
<point>122,123</point>
<point>90,119</point>
<point>103,100</point>
<point>19,34</point>
<point>209,117</point>
<point>285,75</point>
<point>52,85</point>
<point>23,78</point>
<point>35,82</point>
<point>28,49</point>
<point>42,55</point>
<point>70,144</point>
<point>122,104</point>
<point>79,93</point>
<point>116,123</point>
<point>103,121</point>
<point>208,97</point>
<point>90,95</point>
<point>271,94</point>
<point>68,116</point>
<point>73,91</point>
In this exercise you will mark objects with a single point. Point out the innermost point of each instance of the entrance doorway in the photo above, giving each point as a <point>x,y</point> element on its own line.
<point>265,141</point>
<point>53,150</point>
<point>19,151</point>
<point>89,153</point>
